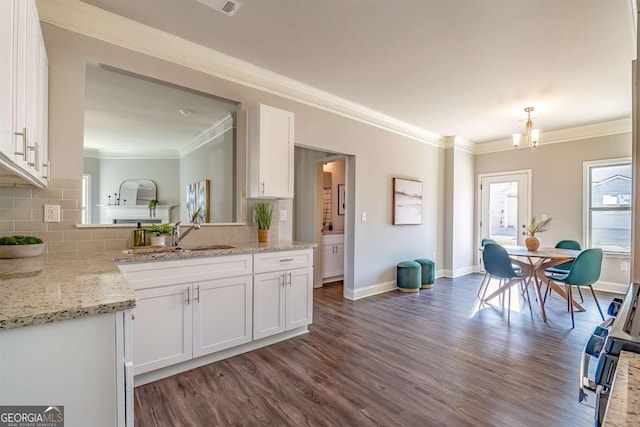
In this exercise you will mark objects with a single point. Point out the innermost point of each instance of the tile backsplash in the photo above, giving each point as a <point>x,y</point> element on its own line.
<point>22,212</point>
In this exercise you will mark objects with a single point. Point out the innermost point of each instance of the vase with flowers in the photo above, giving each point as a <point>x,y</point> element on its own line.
<point>532,242</point>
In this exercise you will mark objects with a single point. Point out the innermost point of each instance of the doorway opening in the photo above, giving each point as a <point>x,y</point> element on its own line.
<point>323,215</point>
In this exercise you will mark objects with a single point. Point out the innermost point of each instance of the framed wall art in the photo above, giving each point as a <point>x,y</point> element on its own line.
<point>198,200</point>
<point>407,201</point>
<point>341,200</point>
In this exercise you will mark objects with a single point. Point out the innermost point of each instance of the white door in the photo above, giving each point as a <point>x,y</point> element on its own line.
<point>8,20</point>
<point>222,314</point>
<point>299,297</point>
<point>277,162</point>
<point>162,328</point>
<point>339,260</point>
<point>268,304</point>
<point>505,207</point>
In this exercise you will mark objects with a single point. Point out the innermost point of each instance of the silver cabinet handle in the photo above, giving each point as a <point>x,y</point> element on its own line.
<point>188,296</point>
<point>262,187</point>
<point>286,259</point>
<point>36,155</point>
<point>23,134</point>
<point>198,294</point>
<point>283,279</point>
<point>289,278</point>
<point>48,166</point>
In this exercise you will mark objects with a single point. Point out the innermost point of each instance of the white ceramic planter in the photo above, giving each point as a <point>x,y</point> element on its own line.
<point>158,240</point>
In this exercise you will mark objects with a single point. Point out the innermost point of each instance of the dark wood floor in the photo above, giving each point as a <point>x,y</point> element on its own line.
<point>427,359</point>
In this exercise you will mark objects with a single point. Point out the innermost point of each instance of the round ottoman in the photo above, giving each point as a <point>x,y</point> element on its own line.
<point>428,272</point>
<point>408,276</point>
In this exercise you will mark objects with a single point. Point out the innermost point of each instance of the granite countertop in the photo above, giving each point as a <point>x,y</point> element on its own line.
<point>624,403</point>
<point>54,287</point>
<point>146,253</point>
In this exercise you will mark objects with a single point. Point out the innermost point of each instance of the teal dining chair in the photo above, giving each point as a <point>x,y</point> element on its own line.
<point>585,271</point>
<point>564,267</point>
<point>498,264</point>
<point>487,277</point>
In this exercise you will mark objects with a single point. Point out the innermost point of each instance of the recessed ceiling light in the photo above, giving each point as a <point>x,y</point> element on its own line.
<point>185,112</point>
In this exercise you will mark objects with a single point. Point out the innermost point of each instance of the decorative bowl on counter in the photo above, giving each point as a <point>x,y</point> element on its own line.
<point>20,246</point>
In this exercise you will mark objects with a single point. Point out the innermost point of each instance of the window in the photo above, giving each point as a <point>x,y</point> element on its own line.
<point>608,205</point>
<point>86,199</point>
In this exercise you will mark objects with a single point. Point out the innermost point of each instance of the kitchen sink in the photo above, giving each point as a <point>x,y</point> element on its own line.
<point>204,248</point>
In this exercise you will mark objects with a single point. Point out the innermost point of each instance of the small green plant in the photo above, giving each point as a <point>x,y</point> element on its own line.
<point>20,240</point>
<point>153,203</point>
<point>262,213</point>
<point>161,229</point>
<point>537,227</point>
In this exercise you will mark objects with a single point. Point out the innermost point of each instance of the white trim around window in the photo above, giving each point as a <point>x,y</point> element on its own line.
<point>587,207</point>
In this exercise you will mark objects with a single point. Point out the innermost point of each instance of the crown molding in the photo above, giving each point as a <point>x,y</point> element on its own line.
<point>91,21</point>
<point>614,127</point>
<point>134,155</point>
<point>208,135</point>
<point>459,144</point>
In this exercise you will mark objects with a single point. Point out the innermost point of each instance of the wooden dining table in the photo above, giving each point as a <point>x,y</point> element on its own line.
<point>534,263</point>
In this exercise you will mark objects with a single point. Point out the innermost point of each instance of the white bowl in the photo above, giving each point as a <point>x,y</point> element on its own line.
<point>21,251</point>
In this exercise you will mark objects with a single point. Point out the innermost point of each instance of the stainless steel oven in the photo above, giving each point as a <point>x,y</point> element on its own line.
<point>620,332</point>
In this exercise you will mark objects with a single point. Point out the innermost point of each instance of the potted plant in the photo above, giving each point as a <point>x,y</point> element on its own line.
<point>159,232</point>
<point>262,213</point>
<point>152,207</point>
<point>20,246</point>
<point>532,242</point>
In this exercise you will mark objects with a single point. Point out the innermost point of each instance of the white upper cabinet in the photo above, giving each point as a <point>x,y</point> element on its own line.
<point>270,152</point>
<point>24,93</point>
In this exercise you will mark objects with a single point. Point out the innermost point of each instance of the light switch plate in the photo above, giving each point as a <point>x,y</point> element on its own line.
<point>364,216</point>
<point>51,213</point>
<point>283,215</point>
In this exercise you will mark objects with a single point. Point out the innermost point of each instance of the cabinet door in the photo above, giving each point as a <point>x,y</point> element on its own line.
<point>328,261</point>
<point>222,314</point>
<point>299,299</point>
<point>268,304</point>
<point>338,260</point>
<point>278,158</point>
<point>271,152</point>
<point>8,17</point>
<point>162,328</point>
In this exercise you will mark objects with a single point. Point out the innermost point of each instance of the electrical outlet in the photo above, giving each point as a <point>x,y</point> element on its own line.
<point>624,266</point>
<point>51,213</point>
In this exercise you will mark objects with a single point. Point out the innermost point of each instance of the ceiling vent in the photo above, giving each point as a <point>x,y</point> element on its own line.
<point>228,7</point>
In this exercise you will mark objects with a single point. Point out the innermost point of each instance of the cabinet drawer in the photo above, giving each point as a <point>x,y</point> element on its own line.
<point>161,273</point>
<point>285,260</point>
<point>332,239</point>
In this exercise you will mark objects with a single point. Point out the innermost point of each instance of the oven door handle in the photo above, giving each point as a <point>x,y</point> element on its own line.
<point>592,348</point>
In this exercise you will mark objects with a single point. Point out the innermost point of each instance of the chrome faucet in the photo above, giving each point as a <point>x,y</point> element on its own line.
<point>178,236</point>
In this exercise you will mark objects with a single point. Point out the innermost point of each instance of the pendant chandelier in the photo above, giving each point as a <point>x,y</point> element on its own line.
<point>531,135</point>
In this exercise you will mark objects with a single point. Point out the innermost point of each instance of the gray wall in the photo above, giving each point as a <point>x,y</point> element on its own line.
<point>380,155</point>
<point>557,185</point>
<point>214,161</point>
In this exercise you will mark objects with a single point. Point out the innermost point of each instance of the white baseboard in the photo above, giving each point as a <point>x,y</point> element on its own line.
<point>616,288</point>
<point>168,371</point>
<point>379,288</point>
<point>452,274</point>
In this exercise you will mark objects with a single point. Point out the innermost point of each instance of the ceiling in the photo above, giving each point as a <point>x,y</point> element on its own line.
<point>453,67</point>
<point>130,115</point>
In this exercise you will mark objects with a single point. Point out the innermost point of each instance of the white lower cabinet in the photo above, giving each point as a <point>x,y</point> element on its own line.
<point>162,327</point>
<point>222,314</point>
<point>283,301</point>
<point>177,323</point>
<point>195,307</point>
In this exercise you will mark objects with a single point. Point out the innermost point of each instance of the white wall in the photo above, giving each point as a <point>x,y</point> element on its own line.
<point>557,187</point>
